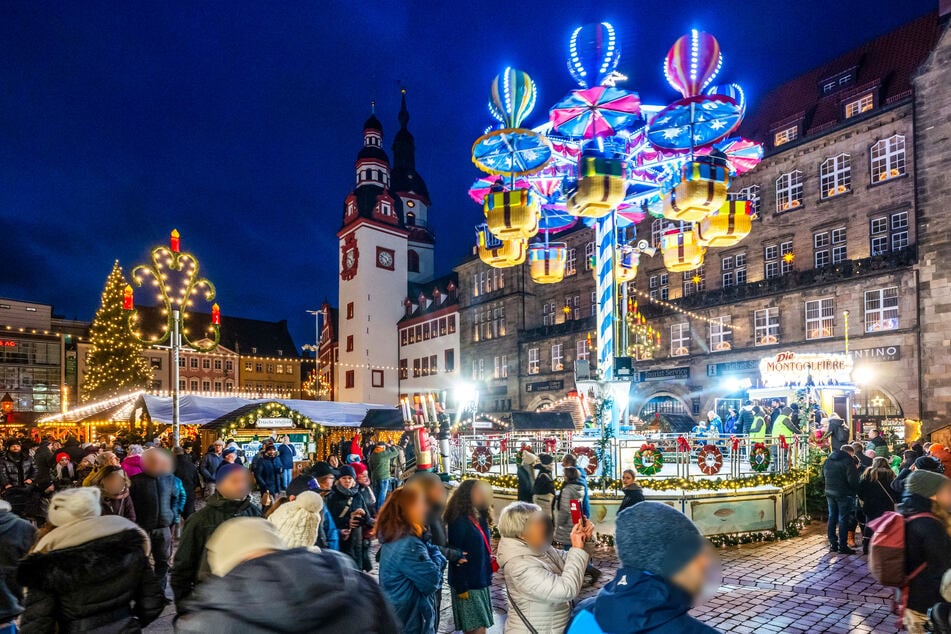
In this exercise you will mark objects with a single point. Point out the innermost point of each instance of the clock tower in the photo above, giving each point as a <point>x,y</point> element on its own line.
<point>373,264</point>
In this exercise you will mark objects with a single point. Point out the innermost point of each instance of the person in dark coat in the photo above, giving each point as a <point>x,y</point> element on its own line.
<point>16,538</point>
<point>231,500</point>
<point>187,472</point>
<point>252,567</point>
<point>745,421</point>
<point>664,562</point>
<point>543,491</point>
<point>923,463</point>
<point>116,498</point>
<point>633,493</point>
<point>350,514</point>
<point>267,471</point>
<point>286,452</point>
<point>90,573</point>
<point>71,446</point>
<point>17,473</point>
<point>876,494</point>
<point>864,461</point>
<point>526,474</point>
<point>842,483</point>
<point>155,498</point>
<point>44,459</point>
<point>467,517</point>
<point>209,464</point>
<point>926,542</point>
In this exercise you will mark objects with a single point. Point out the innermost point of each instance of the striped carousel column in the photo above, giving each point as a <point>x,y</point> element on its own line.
<point>605,238</point>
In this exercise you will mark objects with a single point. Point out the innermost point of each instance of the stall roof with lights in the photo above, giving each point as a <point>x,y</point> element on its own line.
<point>201,410</point>
<point>383,419</point>
<point>542,421</point>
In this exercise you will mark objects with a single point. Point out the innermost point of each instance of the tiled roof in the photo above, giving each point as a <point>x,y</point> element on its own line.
<point>884,65</point>
<point>414,289</point>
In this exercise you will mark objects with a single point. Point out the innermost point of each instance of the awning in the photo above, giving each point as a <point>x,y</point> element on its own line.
<point>117,409</point>
<point>384,419</point>
<point>542,421</point>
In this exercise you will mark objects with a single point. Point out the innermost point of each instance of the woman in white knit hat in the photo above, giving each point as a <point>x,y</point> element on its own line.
<point>297,521</point>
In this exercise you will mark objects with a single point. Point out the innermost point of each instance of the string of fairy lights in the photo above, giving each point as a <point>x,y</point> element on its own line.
<point>687,313</point>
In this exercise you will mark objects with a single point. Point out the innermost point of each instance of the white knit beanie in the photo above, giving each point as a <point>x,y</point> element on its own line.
<point>74,504</point>
<point>298,522</point>
<point>236,539</point>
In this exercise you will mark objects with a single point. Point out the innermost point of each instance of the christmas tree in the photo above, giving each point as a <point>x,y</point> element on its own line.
<point>115,364</point>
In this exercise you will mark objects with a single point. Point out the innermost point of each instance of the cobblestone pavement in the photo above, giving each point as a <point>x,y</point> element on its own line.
<point>793,586</point>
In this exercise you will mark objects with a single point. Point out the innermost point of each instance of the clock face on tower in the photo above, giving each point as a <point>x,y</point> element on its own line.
<point>349,257</point>
<point>385,258</point>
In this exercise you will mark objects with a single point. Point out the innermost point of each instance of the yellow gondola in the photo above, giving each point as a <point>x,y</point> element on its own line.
<point>508,253</point>
<point>512,215</point>
<point>701,190</point>
<point>601,187</point>
<point>730,224</point>
<point>682,250</point>
<point>546,262</point>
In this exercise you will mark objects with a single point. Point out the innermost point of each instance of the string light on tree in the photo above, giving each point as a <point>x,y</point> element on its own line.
<point>643,340</point>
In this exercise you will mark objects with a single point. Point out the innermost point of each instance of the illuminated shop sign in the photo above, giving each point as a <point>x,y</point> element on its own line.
<point>792,368</point>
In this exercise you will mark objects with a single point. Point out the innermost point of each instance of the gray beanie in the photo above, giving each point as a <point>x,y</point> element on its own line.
<point>657,538</point>
<point>924,483</point>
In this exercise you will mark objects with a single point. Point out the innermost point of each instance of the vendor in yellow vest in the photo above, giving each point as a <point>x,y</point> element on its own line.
<point>758,428</point>
<point>784,424</point>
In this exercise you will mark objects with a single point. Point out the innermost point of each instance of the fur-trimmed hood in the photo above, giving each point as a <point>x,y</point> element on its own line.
<point>93,562</point>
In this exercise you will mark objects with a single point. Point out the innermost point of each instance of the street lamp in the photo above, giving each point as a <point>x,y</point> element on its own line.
<point>175,274</point>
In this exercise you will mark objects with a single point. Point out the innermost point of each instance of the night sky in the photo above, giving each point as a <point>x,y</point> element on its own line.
<point>239,122</point>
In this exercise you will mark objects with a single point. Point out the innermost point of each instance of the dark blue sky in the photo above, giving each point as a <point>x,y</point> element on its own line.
<point>238,122</point>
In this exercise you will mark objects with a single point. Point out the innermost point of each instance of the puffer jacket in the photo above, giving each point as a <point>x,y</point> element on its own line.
<point>258,596</point>
<point>155,499</point>
<point>841,474</point>
<point>562,510</point>
<point>103,585</point>
<point>410,575</point>
<point>18,536</point>
<point>542,585</point>
<point>16,469</point>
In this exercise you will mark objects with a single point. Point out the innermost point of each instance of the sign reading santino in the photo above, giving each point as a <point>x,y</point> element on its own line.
<point>795,369</point>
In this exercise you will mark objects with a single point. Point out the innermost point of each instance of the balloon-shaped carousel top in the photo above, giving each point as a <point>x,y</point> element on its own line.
<point>593,55</point>
<point>693,62</point>
<point>512,97</point>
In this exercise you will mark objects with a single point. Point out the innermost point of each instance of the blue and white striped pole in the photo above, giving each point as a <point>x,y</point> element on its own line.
<point>606,238</point>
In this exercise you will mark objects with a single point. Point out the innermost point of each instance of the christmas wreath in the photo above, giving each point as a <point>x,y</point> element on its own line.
<point>760,458</point>
<point>710,459</point>
<point>587,459</point>
<point>481,459</point>
<point>550,445</point>
<point>648,460</point>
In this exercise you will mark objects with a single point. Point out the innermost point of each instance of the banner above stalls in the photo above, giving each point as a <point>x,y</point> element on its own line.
<point>793,369</point>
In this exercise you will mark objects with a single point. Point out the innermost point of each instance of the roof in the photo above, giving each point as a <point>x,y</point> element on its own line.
<point>542,421</point>
<point>885,65</point>
<point>405,177</point>
<point>385,419</point>
<point>244,336</point>
<point>205,410</point>
<point>372,123</point>
<point>427,290</point>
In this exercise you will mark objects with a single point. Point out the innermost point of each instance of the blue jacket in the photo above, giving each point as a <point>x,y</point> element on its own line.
<point>286,453</point>
<point>476,573</point>
<point>410,575</point>
<point>586,501</point>
<point>327,525</point>
<point>637,601</point>
<point>267,473</point>
<point>182,499</point>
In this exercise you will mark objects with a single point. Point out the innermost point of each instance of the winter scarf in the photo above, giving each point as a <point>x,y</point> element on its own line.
<point>86,530</point>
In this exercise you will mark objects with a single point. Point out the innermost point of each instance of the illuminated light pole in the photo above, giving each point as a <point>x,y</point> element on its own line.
<point>175,274</point>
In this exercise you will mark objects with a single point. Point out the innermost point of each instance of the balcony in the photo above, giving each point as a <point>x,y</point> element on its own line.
<point>795,280</point>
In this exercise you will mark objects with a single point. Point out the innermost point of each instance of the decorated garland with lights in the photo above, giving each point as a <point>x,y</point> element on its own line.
<point>760,458</point>
<point>648,460</point>
<point>481,459</point>
<point>710,459</point>
<point>644,341</point>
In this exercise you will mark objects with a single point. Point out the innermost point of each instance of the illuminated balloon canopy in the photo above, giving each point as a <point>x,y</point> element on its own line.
<point>593,55</point>
<point>693,62</point>
<point>512,97</point>
<point>733,91</point>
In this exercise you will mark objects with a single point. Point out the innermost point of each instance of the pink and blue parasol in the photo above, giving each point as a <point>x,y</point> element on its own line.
<point>595,112</point>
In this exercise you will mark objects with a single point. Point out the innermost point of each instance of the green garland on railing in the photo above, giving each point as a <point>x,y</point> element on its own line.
<point>793,529</point>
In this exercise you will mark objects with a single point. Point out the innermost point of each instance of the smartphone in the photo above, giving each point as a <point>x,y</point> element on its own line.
<point>575,506</point>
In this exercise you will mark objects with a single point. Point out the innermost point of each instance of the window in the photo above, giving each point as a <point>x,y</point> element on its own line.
<point>881,309</point>
<point>557,357</point>
<point>533,361</point>
<point>786,135</point>
<point>217,364</point>
<point>289,369</point>
<point>217,386</point>
<point>424,366</point>
<point>418,368</point>
<point>280,368</point>
<point>766,326</point>
<point>404,336</point>
<point>548,314</point>
<point>229,386</point>
<point>789,191</point>
<point>206,364</point>
<point>889,233</point>
<point>349,381</point>
<point>258,368</point>
<point>181,384</point>
<point>270,368</point>
<point>247,366</point>
<point>786,257</point>
<point>349,343</point>
<point>835,176</point>
<point>733,270</point>
<point>658,227</point>
<point>449,360</point>
<point>694,281</point>
<point>888,158</point>
<point>501,370</point>
<point>778,259</point>
<point>751,194</point>
<point>229,366</point>
<point>830,247</point>
<point>581,350</point>
<point>193,363</point>
<point>721,334</point>
<point>820,318</point>
<point>181,362</point>
<point>588,256</point>
<point>426,331</point>
<point>860,105</point>
<point>679,340</point>
<point>193,385</point>
<point>349,310</point>
<point>571,264</point>
<point>433,364</point>
<point>593,300</point>
<point>572,307</point>
<point>481,375</point>
<point>404,369</point>
<point>412,261</point>
<point>659,286</point>
<point>442,327</point>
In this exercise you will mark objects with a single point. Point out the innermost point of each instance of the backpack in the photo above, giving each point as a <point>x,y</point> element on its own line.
<point>842,433</point>
<point>886,553</point>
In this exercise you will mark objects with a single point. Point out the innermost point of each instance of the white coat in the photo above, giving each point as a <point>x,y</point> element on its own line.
<point>542,585</point>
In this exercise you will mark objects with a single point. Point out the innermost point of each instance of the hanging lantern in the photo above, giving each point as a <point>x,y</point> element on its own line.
<point>175,241</point>
<point>127,298</point>
<point>730,224</point>
<point>512,215</point>
<point>601,187</point>
<point>216,314</point>
<point>682,250</point>
<point>547,262</point>
<point>627,265</point>
<point>701,190</point>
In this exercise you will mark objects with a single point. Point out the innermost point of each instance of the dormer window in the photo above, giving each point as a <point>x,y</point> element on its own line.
<point>786,135</point>
<point>838,82</point>
<point>351,208</point>
<point>385,208</point>
<point>856,107</point>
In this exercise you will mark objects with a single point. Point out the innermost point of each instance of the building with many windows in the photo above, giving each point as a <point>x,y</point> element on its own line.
<point>429,337</point>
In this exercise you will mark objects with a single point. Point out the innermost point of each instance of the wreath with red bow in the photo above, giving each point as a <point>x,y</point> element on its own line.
<point>760,457</point>
<point>648,460</point>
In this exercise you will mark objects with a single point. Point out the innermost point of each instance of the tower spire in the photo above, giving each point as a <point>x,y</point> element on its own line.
<point>404,113</point>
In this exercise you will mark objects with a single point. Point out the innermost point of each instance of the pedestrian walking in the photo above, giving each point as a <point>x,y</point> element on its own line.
<point>155,498</point>
<point>570,460</point>
<point>571,491</point>
<point>350,515</point>
<point>16,538</point>
<point>468,516</point>
<point>411,569</point>
<point>115,496</point>
<point>526,473</point>
<point>286,452</point>
<point>543,490</point>
<point>541,582</point>
<point>90,573</point>
<point>876,495</point>
<point>209,464</point>
<point>841,485</point>
<point>380,463</point>
<point>187,472</point>
<point>325,475</point>
<point>267,473</point>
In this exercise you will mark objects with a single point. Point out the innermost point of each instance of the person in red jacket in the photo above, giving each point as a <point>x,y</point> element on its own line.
<point>943,454</point>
